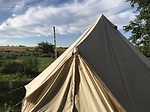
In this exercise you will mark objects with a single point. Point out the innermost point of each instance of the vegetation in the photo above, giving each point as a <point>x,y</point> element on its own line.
<point>45,47</point>
<point>18,66</point>
<point>140,27</point>
<point>29,66</point>
<point>44,62</point>
<point>10,81</point>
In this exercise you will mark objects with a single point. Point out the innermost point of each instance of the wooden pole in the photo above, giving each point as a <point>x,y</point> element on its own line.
<point>55,48</point>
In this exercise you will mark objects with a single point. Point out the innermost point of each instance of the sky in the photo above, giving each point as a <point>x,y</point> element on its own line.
<point>29,22</point>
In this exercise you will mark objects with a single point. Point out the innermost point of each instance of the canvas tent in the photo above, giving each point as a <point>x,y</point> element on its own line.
<point>100,72</point>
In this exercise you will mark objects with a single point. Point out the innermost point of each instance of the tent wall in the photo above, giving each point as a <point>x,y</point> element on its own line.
<point>73,88</point>
<point>124,70</point>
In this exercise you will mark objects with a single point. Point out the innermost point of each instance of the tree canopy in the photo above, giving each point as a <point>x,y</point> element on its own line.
<point>140,27</point>
<point>45,47</point>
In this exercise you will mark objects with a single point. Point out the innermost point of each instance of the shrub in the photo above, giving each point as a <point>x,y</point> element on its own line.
<point>31,66</point>
<point>11,67</point>
<point>10,55</point>
<point>25,66</point>
<point>1,55</point>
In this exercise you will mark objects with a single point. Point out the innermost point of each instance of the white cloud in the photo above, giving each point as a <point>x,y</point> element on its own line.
<point>68,18</point>
<point>3,41</point>
<point>121,19</point>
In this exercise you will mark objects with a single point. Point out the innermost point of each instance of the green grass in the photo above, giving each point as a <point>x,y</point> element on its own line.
<point>9,82</point>
<point>44,63</point>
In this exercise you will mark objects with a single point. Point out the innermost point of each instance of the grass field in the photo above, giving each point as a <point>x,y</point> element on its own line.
<point>44,62</point>
<point>16,48</point>
<point>24,49</point>
<point>9,82</point>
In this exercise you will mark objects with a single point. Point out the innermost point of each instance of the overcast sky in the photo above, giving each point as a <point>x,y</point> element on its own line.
<point>28,22</point>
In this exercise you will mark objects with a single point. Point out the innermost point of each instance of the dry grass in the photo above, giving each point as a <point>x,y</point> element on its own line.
<point>24,49</point>
<point>16,48</point>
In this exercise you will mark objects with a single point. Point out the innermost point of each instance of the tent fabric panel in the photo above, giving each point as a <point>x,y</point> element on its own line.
<point>73,88</point>
<point>53,92</point>
<point>122,68</point>
<point>95,94</point>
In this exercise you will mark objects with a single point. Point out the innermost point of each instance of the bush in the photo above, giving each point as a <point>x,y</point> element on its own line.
<point>31,66</point>
<point>10,55</point>
<point>1,63</point>
<point>24,66</point>
<point>1,55</point>
<point>11,67</point>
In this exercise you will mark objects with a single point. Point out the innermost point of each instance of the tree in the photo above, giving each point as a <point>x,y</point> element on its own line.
<point>45,47</point>
<point>140,27</point>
